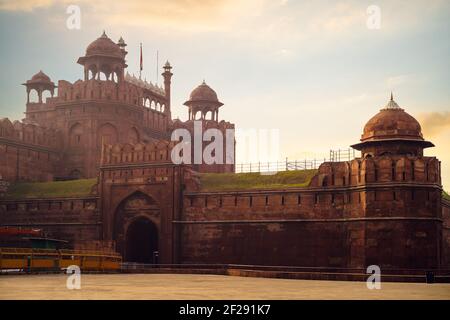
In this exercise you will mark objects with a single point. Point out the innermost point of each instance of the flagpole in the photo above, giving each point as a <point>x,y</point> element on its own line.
<point>157,68</point>
<point>141,65</point>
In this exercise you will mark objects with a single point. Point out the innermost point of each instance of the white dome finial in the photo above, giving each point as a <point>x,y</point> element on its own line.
<point>392,105</point>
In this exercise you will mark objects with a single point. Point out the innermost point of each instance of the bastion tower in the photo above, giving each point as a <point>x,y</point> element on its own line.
<point>401,193</point>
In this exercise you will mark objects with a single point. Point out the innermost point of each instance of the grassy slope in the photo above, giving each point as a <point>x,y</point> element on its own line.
<point>445,195</point>
<point>53,189</point>
<point>209,182</point>
<point>246,181</point>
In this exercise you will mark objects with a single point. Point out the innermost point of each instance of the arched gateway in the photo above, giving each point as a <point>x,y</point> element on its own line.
<point>136,226</point>
<point>141,242</point>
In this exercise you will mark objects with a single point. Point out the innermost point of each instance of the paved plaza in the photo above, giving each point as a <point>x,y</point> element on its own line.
<point>176,286</point>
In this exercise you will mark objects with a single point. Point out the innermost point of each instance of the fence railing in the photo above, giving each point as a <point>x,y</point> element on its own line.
<point>305,164</point>
<point>343,155</point>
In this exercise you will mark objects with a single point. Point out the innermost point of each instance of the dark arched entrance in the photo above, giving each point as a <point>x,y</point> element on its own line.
<point>136,228</point>
<point>141,241</point>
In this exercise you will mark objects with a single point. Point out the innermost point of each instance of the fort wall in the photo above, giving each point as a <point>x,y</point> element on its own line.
<point>446,233</point>
<point>349,216</point>
<point>76,220</point>
<point>28,152</point>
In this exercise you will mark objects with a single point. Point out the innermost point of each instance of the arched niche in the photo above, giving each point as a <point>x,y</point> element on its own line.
<point>133,136</point>
<point>107,134</point>
<point>76,135</point>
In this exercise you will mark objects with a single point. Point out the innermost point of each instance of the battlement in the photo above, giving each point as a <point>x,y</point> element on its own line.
<point>127,153</point>
<point>384,169</point>
<point>145,85</point>
<point>28,133</point>
<point>133,91</point>
<point>206,124</point>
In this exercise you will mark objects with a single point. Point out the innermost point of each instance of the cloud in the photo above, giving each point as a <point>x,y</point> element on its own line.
<point>204,14</point>
<point>434,123</point>
<point>24,5</point>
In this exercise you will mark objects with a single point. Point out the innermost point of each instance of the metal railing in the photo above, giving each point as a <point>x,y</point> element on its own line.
<point>305,164</point>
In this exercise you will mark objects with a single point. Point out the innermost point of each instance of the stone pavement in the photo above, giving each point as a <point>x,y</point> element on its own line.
<point>181,286</point>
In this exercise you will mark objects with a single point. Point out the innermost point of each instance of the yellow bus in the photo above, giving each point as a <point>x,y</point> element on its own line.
<point>35,260</point>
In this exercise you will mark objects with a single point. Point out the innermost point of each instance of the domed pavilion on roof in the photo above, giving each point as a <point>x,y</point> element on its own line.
<point>392,131</point>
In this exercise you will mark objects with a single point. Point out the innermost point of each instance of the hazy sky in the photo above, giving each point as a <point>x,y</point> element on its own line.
<point>312,69</point>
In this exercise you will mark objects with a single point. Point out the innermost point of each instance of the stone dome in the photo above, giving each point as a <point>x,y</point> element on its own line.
<point>40,77</point>
<point>104,46</point>
<point>392,131</point>
<point>203,93</point>
<point>392,122</point>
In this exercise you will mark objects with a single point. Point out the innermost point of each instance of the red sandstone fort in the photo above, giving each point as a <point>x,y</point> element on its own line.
<point>112,132</point>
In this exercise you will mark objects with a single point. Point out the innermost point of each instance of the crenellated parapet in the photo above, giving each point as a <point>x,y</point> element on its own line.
<point>147,86</point>
<point>28,152</point>
<point>206,124</point>
<point>384,169</point>
<point>29,133</point>
<point>153,152</point>
<point>131,92</point>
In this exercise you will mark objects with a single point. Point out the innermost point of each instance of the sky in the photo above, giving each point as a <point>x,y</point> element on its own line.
<point>315,71</point>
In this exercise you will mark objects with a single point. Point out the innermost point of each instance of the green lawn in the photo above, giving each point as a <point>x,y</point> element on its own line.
<point>209,182</point>
<point>255,180</point>
<point>52,189</point>
<point>445,195</point>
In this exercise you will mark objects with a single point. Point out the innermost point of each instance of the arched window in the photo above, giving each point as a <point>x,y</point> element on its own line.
<point>34,97</point>
<point>103,76</point>
<point>45,95</point>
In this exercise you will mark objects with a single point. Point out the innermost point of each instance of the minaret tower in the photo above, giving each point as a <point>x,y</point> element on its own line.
<point>167,75</point>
